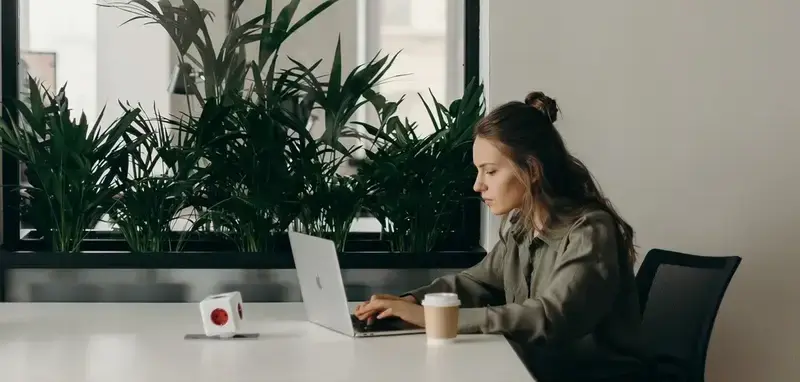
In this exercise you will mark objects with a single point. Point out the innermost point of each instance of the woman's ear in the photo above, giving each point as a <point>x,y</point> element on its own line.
<point>534,169</point>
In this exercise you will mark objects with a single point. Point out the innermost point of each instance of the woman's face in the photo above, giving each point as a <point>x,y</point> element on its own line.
<point>499,187</point>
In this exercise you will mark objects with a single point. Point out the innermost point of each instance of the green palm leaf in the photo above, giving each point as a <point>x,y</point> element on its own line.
<point>69,165</point>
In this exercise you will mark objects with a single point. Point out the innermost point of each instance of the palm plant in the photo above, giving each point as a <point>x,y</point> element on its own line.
<point>70,165</point>
<point>328,202</point>
<point>340,198</point>
<point>225,69</point>
<point>263,169</point>
<point>247,161</point>
<point>247,125</point>
<point>246,186</point>
<point>156,187</point>
<point>426,179</point>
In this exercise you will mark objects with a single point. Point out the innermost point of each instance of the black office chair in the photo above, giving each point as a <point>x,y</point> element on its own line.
<point>680,295</point>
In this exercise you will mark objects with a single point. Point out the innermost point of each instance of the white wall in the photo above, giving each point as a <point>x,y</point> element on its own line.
<point>133,64</point>
<point>100,60</point>
<point>69,29</point>
<point>24,28</point>
<point>686,113</point>
<point>316,40</point>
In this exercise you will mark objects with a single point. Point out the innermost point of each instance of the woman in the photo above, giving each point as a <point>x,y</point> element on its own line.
<point>560,282</point>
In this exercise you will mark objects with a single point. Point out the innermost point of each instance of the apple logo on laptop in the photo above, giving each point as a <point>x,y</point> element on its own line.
<point>319,282</point>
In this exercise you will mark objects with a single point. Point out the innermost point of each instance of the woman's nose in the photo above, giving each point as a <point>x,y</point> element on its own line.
<point>478,186</point>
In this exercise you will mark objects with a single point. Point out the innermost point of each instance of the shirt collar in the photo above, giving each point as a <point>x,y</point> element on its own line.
<point>552,236</point>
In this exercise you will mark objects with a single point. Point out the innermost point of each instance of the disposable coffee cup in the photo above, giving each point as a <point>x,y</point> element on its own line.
<point>441,317</point>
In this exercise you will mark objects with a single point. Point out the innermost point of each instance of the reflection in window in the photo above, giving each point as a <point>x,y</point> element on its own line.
<point>79,43</point>
<point>395,13</point>
<point>429,34</point>
<point>61,34</point>
<point>82,45</point>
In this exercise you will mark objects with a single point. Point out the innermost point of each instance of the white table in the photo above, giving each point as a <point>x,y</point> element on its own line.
<point>42,342</point>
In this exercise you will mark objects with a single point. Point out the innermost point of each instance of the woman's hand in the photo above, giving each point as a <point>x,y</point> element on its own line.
<point>363,314</point>
<point>382,305</point>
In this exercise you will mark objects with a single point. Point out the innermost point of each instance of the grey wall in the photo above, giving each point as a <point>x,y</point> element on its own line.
<point>686,112</point>
<point>191,285</point>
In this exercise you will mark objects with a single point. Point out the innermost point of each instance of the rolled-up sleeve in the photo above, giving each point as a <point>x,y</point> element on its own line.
<point>582,290</point>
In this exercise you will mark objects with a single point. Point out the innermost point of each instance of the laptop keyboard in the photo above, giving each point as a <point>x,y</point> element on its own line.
<point>382,325</point>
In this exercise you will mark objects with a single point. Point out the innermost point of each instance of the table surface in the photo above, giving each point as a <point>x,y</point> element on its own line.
<point>144,342</point>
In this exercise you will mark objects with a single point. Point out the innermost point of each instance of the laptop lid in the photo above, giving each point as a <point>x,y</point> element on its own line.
<point>321,284</point>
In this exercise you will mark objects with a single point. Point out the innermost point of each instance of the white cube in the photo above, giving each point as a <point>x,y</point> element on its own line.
<point>222,314</point>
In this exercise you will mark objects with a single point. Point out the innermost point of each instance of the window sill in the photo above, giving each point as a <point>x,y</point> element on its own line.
<point>233,260</point>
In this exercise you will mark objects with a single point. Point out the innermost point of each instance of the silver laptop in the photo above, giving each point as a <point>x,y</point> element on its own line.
<point>323,291</point>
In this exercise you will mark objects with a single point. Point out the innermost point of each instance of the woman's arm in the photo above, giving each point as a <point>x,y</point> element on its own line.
<point>479,285</point>
<point>584,285</point>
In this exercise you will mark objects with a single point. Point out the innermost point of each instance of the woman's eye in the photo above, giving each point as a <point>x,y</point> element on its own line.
<point>491,172</point>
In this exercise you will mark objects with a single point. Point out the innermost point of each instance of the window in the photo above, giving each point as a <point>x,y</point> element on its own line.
<point>67,30</point>
<point>394,13</point>
<point>429,35</point>
<point>87,47</point>
<point>83,45</point>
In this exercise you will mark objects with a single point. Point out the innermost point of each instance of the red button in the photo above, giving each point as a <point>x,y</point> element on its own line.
<point>219,317</point>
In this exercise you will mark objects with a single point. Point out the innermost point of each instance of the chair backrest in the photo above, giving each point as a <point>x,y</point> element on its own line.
<point>680,295</point>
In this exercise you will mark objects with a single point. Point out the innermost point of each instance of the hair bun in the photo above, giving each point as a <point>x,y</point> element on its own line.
<point>543,103</point>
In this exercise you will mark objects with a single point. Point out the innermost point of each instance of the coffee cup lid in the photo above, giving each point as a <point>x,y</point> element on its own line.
<point>441,299</point>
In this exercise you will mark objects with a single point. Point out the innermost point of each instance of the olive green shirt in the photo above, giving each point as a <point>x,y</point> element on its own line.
<point>567,298</point>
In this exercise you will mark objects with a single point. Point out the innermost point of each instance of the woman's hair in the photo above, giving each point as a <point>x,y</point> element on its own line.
<point>560,188</point>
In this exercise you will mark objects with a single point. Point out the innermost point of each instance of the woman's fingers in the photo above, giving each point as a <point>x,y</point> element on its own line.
<point>386,313</point>
<point>384,297</point>
<point>376,304</point>
<point>381,308</point>
<point>369,309</point>
<point>366,314</point>
<point>364,306</point>
<point>359,308</point>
